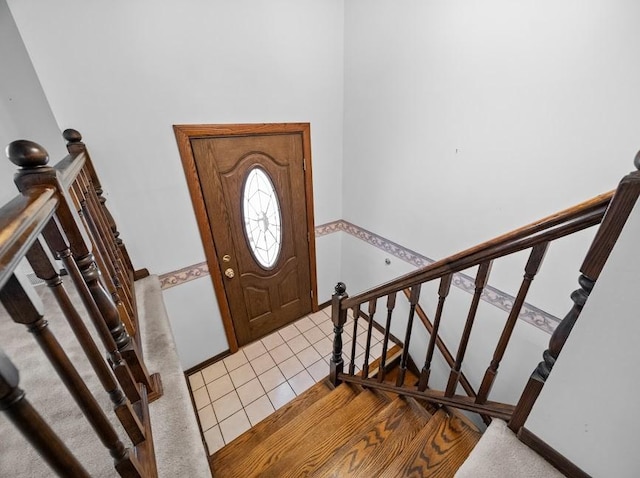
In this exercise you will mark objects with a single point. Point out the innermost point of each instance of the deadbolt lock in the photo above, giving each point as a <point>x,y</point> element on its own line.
<point>226,258</point>
<point>230,273</point>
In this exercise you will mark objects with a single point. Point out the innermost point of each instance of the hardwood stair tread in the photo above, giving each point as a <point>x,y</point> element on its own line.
<point>327,438</point>
<point>379,442</point>
<point>247,453</point>
<point>437,451</point>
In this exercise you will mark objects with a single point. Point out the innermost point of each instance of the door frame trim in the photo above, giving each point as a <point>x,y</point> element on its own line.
<point>184,133</point>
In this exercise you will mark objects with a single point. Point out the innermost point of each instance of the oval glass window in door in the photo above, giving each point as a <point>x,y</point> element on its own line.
<point>262,218</point>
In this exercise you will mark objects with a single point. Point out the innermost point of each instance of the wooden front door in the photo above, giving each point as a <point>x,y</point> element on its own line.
<point>254,187</point>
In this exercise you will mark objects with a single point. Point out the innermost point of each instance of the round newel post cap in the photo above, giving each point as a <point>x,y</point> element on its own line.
<point>340,288</point>
<point>27,154</point>
<point>636,161</point>
<point>72,135</point>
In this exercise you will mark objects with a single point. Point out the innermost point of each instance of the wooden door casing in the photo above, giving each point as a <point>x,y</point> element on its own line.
<point>283,152</point>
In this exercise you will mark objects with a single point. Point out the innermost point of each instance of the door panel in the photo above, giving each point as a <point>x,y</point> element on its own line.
<point>261,299</point>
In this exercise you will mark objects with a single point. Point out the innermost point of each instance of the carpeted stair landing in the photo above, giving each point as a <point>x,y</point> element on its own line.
<point>178,444</point>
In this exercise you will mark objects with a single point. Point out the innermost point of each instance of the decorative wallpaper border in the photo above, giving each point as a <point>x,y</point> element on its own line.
<point>186,274</point>
<point>529,313</point>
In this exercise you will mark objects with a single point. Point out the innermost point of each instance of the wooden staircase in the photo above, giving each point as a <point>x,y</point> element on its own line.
<point>349,431</point>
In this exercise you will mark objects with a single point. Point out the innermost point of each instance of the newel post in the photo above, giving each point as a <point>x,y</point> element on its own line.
<point>558,338</point>
<point>613,222</point>
<point>34,170</point>
<point>74,248</point>
<point>338,317</point>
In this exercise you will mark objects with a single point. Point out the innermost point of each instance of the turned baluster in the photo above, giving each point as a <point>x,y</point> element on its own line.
<point>44,269</point>
<point>391,303</point>
<point>103,260</point>
<point>94,213</point>
<point>339,318</point>
<point>413,301</point>
<point>24,307</point>
<point>549,356</point>
<point>75,146</point>
<point>531,269</point>
<point>443,292</point>
<point>15,405</point>
<point>481,281</point>
<point>121,369</point>
<point>356,316</point>
<point>367,349</point>
<point>621,205</point>
<point>32,159</point>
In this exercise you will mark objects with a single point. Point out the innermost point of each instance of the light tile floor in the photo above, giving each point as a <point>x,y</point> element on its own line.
<point>239,391</point>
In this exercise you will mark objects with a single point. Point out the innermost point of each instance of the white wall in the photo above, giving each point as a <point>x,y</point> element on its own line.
<point>123,73</point>
<point>588,408</point>
<point>189,305</point>
<point>467,119</point>
<point>24,111</point>
<point>329,252</point>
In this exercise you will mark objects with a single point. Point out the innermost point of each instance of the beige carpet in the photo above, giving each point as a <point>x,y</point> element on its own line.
<point>179,448</point>
<point>499,454</point>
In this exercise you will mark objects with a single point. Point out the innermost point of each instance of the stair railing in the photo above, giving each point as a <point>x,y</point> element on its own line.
<point>611,210</point>
<point>63,206</point>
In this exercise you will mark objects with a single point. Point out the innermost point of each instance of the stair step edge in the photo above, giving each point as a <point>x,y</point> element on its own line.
<point>331,435</point>
<point>420,447</point>
<point>235,453</point>
<point>378,442</point>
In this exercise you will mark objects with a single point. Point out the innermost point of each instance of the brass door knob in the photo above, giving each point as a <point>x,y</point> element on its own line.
<point>230,273</point>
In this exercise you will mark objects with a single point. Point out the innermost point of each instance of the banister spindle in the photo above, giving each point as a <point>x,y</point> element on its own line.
<point>75,146</point>
<point>44,269</point>
<point>338,317</point>
<point>25,308</point>
<point>104,235</point>
<point>549,356</point>
<point>531,269</point>
<point>481,281</point>
<point>356,316</point>
<point>56,242</point>
<point>391,303</point>
<point>15,405</point>
<point>106,264</point>
<point>367,350</point>
<point>413,301</point>
<point>443,292</point>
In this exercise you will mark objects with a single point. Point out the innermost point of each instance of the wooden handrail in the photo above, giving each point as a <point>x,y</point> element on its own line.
<point>21,220</point>
<point>563,223</point>
<point>69,168</point>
